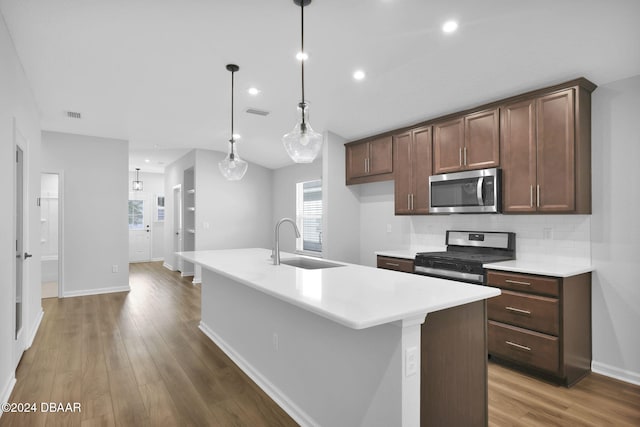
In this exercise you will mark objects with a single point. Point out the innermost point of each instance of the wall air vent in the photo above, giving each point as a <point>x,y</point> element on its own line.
<point>74,115</point>
<point>257,112</point>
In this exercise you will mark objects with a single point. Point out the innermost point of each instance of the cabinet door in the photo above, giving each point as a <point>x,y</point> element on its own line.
<point>402,175</point>
<point>482,140</point>
<point>448,141</point>
<point>357,158</point>
<point>518,152</point>
<point>381,156</point>
<point>556,152</point>
<point>421,162</point>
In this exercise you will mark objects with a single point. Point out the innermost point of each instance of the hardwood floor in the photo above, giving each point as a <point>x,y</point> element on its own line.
<point>139,359</point>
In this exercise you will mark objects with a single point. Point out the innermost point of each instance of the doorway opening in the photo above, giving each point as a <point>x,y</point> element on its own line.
<point>177,225</point>
<point>50,236</point>
<point>140,211</point>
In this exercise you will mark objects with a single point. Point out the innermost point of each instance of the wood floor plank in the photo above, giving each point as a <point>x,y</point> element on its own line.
<point>138,358</point>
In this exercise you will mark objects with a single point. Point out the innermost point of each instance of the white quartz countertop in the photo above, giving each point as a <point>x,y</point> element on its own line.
<point>353,295</point>
<point>542,266</point>
<point>409,253</point>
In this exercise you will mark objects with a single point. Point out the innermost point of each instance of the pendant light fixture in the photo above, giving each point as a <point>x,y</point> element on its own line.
<point>137,184</point>
<point>232,167</point>
<point>302,144</point>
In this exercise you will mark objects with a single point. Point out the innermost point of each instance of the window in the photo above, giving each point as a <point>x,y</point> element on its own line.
<point>159,208</point>
<point>136,214</point>
<point>309,215</point>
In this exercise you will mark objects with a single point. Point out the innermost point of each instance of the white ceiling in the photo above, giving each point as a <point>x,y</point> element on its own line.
<point>153,71</point>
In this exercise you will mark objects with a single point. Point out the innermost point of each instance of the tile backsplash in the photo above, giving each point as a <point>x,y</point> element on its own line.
<point>561,237</point>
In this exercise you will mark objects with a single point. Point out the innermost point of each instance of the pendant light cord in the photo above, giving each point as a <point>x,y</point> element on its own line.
<point>302,47</point>
<point>232,140</point>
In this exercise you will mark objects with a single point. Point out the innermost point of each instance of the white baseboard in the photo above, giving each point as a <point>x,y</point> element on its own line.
<point>98,291</point>
<point>272,391</point>
<point>35,328</point>
<point>168,266</point>
<point>186,274</point>
<point>196,281</point>
<point>615,372</point>
<point>5,392</point>
<point>157,259</point>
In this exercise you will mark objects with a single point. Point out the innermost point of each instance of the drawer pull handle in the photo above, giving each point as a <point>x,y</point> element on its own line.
<point>516,282</point>
<point>521,347</point>
<point>393,264</point>
<point>518,311</point>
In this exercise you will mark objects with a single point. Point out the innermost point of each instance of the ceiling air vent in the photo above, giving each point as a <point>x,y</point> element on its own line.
<point>74,115</point>
<point>257,112</point>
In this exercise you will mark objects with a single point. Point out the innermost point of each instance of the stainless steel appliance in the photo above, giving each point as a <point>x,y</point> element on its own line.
<point>476,191</point>
<point>465,254</point>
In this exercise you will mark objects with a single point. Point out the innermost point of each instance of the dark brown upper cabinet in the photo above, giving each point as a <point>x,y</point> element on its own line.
<point>468,142</point>
<point>412,167</point>
<point>369,161</point>
<point>546,153</point>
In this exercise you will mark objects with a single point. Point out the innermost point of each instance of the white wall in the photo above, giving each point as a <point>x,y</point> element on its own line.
<point>173,175</point>
<point>616,229</point>
<point>95,194</point>
<point>153,185</point>
<point>340,205</point>
<point>284,198</point>
<point>16,102</point>
<point>231,214</point>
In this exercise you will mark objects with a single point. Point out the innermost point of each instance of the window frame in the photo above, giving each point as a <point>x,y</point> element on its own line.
<point>300,219</point>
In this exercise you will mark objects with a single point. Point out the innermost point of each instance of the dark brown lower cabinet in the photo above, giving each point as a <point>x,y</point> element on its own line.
<point>396,264</point>
<point>542,324</point>
<point>453,386</point>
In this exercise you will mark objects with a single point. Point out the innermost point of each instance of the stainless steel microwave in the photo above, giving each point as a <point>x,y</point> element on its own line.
<point>476,191</point>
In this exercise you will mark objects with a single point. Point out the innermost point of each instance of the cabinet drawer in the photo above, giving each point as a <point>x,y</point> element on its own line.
<point>398,264</point>
<point>524,282</point>
<point>524,346</point>
<point>527,311</point>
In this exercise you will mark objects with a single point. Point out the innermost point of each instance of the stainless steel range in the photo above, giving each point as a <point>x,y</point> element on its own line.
<point>465,254</point>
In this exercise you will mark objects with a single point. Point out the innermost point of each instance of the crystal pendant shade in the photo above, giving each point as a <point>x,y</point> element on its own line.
<point>303,144</point>
<point>137,184</point>
<point>233,167</point>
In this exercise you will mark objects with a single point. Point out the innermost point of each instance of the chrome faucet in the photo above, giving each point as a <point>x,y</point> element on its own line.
<point>276,239</point>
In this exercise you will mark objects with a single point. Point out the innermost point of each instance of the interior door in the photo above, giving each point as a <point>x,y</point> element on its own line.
<point>21,228</point>
<point>139,227</point>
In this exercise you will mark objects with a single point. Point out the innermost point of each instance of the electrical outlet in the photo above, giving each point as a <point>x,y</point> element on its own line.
<point>547,233</point>
<point>411,361</point>
<point>205,225</point>
<point>276,344</point>
<point>388,228</point>
<point>114,268</point>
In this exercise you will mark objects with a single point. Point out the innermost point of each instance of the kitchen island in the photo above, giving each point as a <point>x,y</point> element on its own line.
<point>349,345</point>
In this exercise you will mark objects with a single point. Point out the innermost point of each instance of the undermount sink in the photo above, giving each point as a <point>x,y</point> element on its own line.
<point>309,264</point>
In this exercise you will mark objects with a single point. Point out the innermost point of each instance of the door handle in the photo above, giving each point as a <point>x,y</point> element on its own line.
<point>26,255</point>
<point>177,233</point>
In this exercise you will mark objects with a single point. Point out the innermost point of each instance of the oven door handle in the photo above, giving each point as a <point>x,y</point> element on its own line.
<point>479,191</point>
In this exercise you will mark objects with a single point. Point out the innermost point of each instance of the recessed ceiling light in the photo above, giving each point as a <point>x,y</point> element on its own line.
<point>253,91</point>
<point>302,56</point>
<point>449,26</point>
<point>236,136</point>
<point>359,75</point>
<point>147,160</point>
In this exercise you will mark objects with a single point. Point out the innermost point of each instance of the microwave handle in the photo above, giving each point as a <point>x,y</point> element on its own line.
<point>479,191</point>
